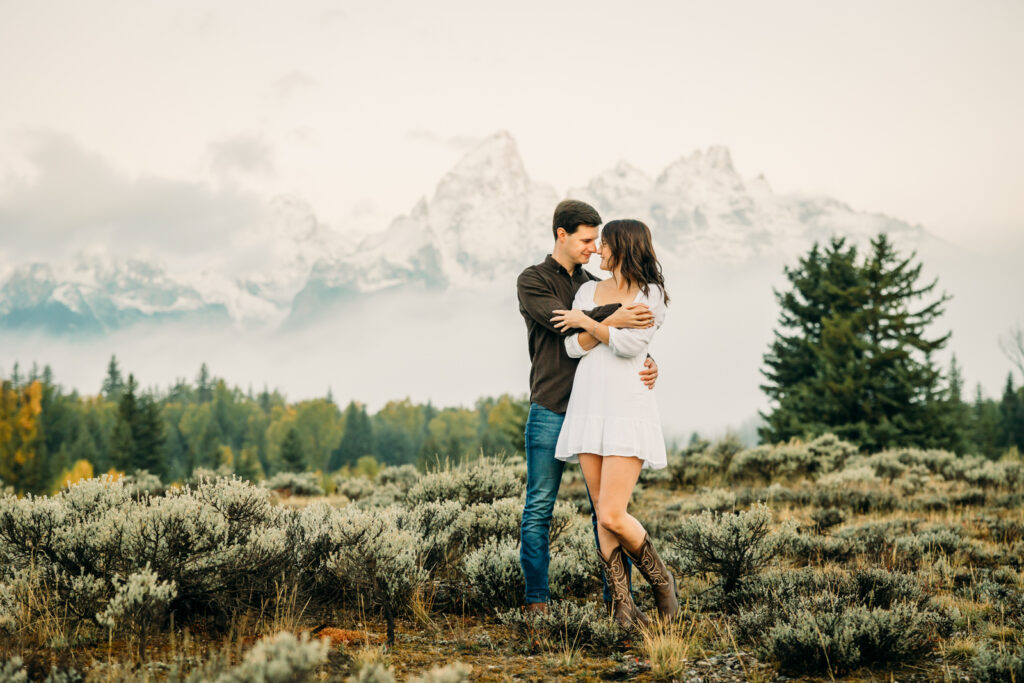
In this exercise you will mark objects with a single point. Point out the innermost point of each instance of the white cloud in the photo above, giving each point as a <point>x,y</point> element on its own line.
<point>74,198</point>
<point>241,154</point>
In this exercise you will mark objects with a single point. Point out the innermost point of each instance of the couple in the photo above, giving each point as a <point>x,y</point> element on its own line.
<point>591,399</point>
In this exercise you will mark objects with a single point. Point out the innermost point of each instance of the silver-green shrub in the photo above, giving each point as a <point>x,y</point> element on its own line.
<point>372,672</point>
<point>295,483</point>
<point>831,452</point>
<point>353,488</point>
<point>580,625</point>
<point>999,663</point>
<point>13,671</point>
<point>143,483</point>
<point>730,546</point>
<point>223,543</point>
<point>493,575</point>
<point>139,604</point>
<point>436,524</point>
<point>814,621</point>
<point>377,560</point>
<point>402,476</point>
<point>456,672</point>
<point>279,659</point>
<point>481,481</point>
<point>575,570</point>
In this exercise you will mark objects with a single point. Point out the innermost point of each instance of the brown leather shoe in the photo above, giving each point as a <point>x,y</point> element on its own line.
<point>624,611</point>
<point>536,608</point>
<point>660,577</point>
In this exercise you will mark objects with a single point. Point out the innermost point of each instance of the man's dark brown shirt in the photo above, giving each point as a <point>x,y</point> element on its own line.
<point>542,289</point>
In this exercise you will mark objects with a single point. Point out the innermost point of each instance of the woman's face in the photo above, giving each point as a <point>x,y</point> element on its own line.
<point>606,256</point>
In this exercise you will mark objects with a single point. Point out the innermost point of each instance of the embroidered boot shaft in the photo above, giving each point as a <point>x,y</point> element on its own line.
<point>624,610</point>
<point>660,577</point>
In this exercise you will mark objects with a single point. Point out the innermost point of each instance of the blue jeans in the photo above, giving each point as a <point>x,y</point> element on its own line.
<point>543,477</point>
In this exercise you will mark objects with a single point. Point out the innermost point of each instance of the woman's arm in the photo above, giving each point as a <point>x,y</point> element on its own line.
<point>633,342</point>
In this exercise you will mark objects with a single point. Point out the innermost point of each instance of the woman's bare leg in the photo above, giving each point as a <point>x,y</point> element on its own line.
<point>592,470</point>
<point>618,476</point>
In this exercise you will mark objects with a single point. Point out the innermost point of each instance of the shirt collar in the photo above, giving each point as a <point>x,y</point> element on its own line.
<point>554,265</point>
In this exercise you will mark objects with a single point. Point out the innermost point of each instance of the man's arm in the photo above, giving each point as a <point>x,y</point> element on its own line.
<point>537,299</point>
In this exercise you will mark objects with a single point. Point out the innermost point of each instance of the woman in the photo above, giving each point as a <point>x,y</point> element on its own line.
<point>611,425</point>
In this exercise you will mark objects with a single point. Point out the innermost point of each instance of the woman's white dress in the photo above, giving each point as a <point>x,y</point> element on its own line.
<point>612,412</point>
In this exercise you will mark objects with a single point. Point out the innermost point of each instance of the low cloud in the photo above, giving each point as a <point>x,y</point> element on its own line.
<point>74,198</point>
<point>292,82</point>
<point>457,142</point>
<point>248,154</point>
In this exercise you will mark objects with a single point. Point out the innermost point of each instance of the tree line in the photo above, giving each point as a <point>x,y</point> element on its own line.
<point>46,434</point>
<point>852,355</point>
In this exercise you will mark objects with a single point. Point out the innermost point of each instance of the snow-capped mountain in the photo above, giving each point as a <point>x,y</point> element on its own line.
<point>484,222</point>
<point>699,208</point>
<point>95,295</point>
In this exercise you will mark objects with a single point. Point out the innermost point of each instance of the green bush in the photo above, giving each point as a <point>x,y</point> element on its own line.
<point>730,546</point>
<point>481,481</point>
<point>813,622</point>
<point>494,578</point>
<point>583,625</point>
<point>999,664</point>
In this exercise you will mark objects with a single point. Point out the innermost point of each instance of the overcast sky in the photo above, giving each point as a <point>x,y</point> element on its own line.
<point>129,121</point>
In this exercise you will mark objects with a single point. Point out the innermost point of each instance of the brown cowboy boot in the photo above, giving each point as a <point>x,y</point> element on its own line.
<point>624,611</point>
<point>658,575</point>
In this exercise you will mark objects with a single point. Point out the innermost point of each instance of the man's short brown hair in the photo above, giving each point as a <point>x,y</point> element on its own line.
<point>570,214</point>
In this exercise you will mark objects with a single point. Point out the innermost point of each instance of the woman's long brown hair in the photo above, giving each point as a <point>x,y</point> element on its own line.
<point>633,250</point>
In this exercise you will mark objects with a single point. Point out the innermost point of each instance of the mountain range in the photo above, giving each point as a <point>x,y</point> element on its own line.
<point>485,221</point>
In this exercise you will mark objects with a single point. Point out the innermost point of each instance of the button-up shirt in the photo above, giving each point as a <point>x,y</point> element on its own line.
<point>542,289</point>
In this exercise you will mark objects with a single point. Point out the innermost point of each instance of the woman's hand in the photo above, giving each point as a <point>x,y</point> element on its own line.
<point>565,320</point>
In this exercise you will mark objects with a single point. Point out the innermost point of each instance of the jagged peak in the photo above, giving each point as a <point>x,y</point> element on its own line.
<point>495,156</point>
<point>715,160</point>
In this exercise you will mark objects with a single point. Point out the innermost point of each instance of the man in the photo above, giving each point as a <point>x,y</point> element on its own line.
<point>542,289</point>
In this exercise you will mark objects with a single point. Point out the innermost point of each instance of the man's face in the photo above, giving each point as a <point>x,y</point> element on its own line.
<point>582,244</point>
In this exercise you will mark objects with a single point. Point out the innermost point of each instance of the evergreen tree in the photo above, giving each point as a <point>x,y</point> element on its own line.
<point>138,434</point>
<point>292,457</point>
<point>957,413</point>
<point>357,439</point>
<point>248,465</point>
<point>113,384</point>
<point>148,437</point>
<point>826,288</point>
<point>986,424</point>
<point>204,385</point>
<point>853,358</point>
<point>122,444</point>
<point>1011,409</point>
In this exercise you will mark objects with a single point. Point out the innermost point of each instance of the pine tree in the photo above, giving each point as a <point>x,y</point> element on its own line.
<point>204,385</point>
<point>827,288</point>
<point>292,457</point>
<point>957,413</point>
<point>148,436</point>
<point>1011,410</point>
<point>113,384</point>
<point>986,425</point>
<point>853,358</point>
<point>138,434</point>
<point>357,439</point>
<point>122,443</point>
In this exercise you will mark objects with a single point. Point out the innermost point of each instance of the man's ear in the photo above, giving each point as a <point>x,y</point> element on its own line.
<point>561,235</point>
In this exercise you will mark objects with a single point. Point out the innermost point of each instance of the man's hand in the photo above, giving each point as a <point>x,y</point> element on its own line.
<point>635,316</point>
<point>649,375</point>
<point>565,320</point>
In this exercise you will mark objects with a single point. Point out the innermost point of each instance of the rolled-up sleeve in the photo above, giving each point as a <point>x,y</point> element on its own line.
<point>631,342</point>
<point>573,348</point>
